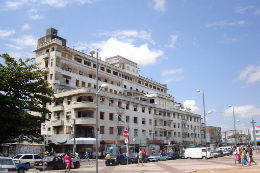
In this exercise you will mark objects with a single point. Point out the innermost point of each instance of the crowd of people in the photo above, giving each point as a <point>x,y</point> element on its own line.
<point>243,155</point>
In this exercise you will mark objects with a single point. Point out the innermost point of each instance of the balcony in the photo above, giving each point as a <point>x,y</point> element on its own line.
<point>46,56</point>
<point>57,108</point>
<point>85,120</point>
<point>83,104</point>
<point>160,128</point>
<point>57,123</point>
<point>120,110</point>
<point>120,123</point>
<point>156,116</point>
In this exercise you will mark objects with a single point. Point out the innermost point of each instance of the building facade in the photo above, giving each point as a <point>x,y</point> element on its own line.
<point>213,135</point>
<point>130,102</point>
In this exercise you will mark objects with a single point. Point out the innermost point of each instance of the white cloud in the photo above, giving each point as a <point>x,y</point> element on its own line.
<point>169,80</point>
<point>251,74</point>
<point>242,9</point>
<point>128,35</point>
<point>172,71</point>
<point>141,55</point>
<point>25,41</point>
<point>5,33</point>
<point>26,26</point>
<point>33,14</point>
<point>13,46</point>
<point>225,23</point>
<point>173,41</point>
<point>159,5</point>
<point>191,104</point>
<point>15,4</point>
<point>257,12</point>
<point>243,111</point>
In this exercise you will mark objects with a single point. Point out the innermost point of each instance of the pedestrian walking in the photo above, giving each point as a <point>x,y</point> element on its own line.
<point>250,154</point>
<point>235,154</point>
<point>67,160</point>
<point>244,157</point>
<point>140,155</point>
<point>108,157</point>
<point>239,151</point>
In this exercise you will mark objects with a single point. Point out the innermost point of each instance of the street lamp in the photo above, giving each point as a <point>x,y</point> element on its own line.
<point>234,125</point>
<point>204,120</point>
<point>102,86</point>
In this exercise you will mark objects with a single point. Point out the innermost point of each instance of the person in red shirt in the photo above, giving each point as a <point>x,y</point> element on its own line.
<point>67,160</point>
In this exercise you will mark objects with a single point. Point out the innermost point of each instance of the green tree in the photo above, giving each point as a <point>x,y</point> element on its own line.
<point>23,92</point>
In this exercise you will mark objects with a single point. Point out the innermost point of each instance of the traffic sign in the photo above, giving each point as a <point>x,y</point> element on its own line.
<point>126,140</point>
<point>134,139</point>
<point>126,134</point>
<point>43,128</point>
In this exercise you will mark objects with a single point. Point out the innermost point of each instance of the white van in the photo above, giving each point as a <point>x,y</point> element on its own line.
<point>198,153</point>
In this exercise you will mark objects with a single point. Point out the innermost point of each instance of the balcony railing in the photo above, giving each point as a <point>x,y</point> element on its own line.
<point>57,123</point>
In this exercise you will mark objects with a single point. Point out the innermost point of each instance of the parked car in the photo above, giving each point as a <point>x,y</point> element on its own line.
<point>157,157</point>
<point>132,158</point>
<point>7,165</point>
<point>21,167</point>
<point>172,155</point>
<point>74,159</point>
<point>226,152</point>
<point>215,154</point>
<point>28,159</point>
<point>182,156</point>
<point>119,159</point>
<point>53,163</point>
<point>220,153</point>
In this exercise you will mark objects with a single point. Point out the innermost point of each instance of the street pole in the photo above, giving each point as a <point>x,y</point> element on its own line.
<point>74,142</point>
<point>97,115</point>
<point>205,136</point>
<point>253,123</point>
<point>234,126</point>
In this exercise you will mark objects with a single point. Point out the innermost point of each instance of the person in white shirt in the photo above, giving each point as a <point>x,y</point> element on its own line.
<point>140,155</point>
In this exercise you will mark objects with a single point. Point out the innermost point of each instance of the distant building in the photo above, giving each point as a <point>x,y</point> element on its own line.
<point>241,137</point>
<point>213,135</point>
<point>257,135</point>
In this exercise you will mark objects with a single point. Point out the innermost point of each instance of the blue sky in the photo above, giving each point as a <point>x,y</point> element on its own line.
<point>211,45</point>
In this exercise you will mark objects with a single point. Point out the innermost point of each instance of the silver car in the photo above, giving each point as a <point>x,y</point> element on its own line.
<point>7,165</point>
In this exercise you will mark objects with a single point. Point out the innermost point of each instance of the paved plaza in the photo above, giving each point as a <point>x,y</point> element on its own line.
<point>216,165</point>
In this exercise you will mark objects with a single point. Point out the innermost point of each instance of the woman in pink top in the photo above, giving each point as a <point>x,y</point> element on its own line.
<point>67,160</point>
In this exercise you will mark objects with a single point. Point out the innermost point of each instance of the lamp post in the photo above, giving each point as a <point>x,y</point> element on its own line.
<point>102,86</point>
<point>204,120</point>
<point>234,124</point>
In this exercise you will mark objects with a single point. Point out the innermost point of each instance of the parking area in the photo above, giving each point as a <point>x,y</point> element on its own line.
<point>216,165</point>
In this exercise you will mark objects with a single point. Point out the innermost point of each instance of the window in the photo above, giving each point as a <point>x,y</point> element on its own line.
<point>150,121</point>
<point>51,76</point>
<point>111,103</point>
<point>174,125</point>
<point>52,62</point>
<point>127,106</point>
<point>111,130</point>
<point>80,73</point>
<point>69,100</point>
<point>127,118</point>
<point>102,129</point>
<point>27,157</point>
<point>143,121</point>
<point>67,81</point>
<point>135,107</point>
<point>102,115</point>
<point>119,118</point>
<point>150,132</point>
<point>173,115</point>
<point>143,109</point>
<point>37,157</point>
<point>178,125</point>
<point>149,110</point>
<point>111,116</point>
<point>135,132</point>
<point>102,100</point>
<point>136,120</point>
<point>77,82</point>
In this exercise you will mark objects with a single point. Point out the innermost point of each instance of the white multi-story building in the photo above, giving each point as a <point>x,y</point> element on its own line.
<point>131,102</point>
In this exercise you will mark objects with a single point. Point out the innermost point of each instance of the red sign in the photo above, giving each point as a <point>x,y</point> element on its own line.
<point>126,134</point>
